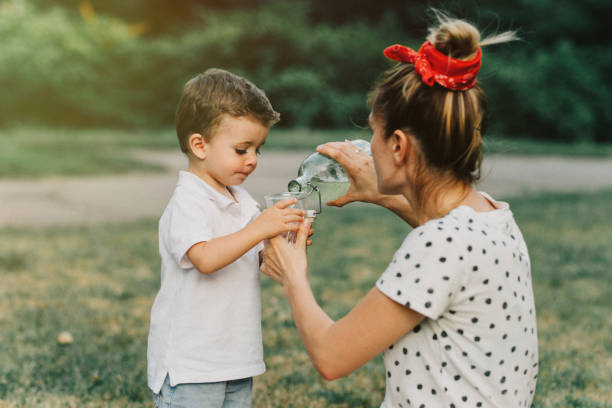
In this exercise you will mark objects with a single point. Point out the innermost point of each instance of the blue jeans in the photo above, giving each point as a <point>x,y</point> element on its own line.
<point>224,394</point>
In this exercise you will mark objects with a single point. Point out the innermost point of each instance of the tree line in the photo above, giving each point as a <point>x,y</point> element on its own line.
<point>113,63</point>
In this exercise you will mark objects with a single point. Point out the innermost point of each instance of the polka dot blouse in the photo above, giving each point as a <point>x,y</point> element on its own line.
<point>469,274</point>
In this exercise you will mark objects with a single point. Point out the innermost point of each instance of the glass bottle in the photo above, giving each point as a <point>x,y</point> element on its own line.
<point>323,174</point>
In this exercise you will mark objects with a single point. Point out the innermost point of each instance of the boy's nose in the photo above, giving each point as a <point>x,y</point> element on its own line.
<point>252,159</point>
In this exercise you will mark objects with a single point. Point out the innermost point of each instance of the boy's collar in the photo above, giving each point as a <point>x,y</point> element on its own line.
<point>213,194</point>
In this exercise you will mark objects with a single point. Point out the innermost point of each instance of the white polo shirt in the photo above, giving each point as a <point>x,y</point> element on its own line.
<point>204,328</point>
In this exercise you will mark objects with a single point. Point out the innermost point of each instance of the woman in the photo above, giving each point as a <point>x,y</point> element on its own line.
<point>453,313</point>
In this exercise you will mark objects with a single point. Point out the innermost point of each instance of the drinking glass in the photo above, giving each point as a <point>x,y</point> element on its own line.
<point>302,203</point>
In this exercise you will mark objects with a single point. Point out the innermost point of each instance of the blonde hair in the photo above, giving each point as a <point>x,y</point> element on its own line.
<point>213,94</point>
<point>447,125</point>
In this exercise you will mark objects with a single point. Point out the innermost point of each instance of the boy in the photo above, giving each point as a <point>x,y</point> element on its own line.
<point>205,340</point>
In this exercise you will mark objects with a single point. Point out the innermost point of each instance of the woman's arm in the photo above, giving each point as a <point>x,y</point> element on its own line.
<point>336,348</point>
<point>362,175</point>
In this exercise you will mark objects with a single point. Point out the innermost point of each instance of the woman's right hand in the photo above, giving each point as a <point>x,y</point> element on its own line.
<point>360,169</point>
<point>362,175</point>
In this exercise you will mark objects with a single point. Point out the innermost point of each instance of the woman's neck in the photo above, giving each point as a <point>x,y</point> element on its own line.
<point>478,202</point>
<point>441,202</point>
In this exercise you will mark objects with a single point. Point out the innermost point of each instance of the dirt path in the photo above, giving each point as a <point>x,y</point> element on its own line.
<point>91,200</point>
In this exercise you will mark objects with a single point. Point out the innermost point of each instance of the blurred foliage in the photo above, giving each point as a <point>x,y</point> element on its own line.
<point>113,63</point>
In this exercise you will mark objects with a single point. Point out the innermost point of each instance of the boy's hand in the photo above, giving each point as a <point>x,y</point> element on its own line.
<point>278,219</point>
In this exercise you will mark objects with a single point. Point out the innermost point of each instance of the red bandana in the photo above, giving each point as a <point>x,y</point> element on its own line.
<point>434,66</point>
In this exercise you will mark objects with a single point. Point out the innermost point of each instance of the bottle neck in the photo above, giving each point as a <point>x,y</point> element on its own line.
<point>301,183</point>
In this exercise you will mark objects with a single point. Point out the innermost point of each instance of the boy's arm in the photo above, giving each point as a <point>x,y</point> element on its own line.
<point>210,256</point>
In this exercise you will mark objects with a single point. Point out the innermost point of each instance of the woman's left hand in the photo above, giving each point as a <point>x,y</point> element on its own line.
<point>285,262</point>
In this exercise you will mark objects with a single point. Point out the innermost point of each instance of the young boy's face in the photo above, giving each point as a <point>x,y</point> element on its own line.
<point>231,154</point>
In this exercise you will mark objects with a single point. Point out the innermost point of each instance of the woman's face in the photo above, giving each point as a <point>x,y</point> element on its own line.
<point>382,154</point>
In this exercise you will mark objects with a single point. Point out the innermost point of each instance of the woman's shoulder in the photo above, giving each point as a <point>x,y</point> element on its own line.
<point>436,236</point>
<point>452,223</point>
<point>460,225</point>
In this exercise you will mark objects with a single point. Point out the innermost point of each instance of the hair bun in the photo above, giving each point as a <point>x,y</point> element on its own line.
<point>459,39</point>
<point>455,38</point>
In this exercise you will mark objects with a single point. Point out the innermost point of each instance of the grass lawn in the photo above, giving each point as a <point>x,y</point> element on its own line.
<point>98,283</point>
<point>42,152</point>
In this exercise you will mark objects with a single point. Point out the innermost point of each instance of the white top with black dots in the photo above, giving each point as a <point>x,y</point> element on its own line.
<point>469,274</point>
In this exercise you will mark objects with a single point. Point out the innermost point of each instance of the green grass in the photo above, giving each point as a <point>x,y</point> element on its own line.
<point>29,152</point>
<point>98,283</point>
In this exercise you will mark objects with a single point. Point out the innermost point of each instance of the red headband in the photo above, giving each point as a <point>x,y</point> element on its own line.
<point>435,66</point>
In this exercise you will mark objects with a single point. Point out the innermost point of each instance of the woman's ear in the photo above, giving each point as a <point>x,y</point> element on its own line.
<point>402,145</point>
<point>197,145</point>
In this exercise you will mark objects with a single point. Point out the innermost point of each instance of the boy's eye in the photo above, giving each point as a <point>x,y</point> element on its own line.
<point>245,151</point>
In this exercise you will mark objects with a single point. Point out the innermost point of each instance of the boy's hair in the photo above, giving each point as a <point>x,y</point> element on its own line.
<point>213,94</point>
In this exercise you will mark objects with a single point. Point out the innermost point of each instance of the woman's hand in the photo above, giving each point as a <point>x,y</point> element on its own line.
<point>360,169</point>
<point>362,175</point>
<point>285,262</point>
<point>310,234</point>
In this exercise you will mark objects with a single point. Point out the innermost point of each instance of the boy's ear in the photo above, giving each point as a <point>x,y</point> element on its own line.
<point>197,145</point>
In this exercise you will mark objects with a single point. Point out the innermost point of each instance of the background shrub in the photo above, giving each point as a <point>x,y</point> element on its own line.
<point>123,64</point>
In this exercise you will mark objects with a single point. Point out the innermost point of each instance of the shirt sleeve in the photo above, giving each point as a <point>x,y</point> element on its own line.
<point>189,225</point>
<point>425,271</point>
